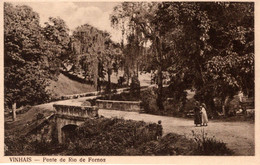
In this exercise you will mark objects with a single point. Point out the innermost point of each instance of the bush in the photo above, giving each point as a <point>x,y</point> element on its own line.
<point>125,137</point>
<point>148,98</point>
<point>29,146</point>
<point>15,145</point>
<point>111,136</point>
<point>171,108</point>
<point>121,97</point>
<point>170,144</point>
<point>209,145</point>
<point>190,104</point>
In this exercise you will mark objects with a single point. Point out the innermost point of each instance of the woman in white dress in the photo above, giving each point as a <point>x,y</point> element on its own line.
<point>204,115</point>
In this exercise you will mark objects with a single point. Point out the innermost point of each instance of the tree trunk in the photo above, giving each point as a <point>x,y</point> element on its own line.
<point>211,106</point>
<point>224,106</point>
<point>137,70</point>
<point>137,61</point>
<point>159,75</point>
<point>126,74</point>
<point>96,81</point>
<point>109,79</point>
<point>14,111</point>
<point>160,89</point>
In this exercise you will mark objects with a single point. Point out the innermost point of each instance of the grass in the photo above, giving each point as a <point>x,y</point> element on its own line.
<point>66,86</point>
<point>24,122</point>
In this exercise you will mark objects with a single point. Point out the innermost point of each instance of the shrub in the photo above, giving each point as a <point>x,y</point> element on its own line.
<point>124,96</point>
<point>24,146</point>
<point>14,145</point>
<point>148,98</point>
<point>111,136</point>
<point>171,108</point>
<point>170,144</point>
<point>190,104</point>
<point>125,137</point>
<point>209,145</point>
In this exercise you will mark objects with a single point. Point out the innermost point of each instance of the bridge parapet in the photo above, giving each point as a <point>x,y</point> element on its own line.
<point>76,111</point>
<point>134,106</point>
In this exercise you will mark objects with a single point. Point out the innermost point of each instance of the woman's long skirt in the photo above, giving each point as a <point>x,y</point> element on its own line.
<point>204,117</point>
<point>197,118</point>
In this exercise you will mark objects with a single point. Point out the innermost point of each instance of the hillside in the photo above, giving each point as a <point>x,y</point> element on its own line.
<point>66,86</point>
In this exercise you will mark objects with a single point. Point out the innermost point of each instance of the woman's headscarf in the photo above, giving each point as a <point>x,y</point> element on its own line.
<point>203,105</point>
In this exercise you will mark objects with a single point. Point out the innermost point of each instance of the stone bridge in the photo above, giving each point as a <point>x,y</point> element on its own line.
<point>69,117</point>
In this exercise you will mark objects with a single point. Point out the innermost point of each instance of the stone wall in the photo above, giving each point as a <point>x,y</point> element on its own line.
<point>134,106</point>
<point>76,111</point>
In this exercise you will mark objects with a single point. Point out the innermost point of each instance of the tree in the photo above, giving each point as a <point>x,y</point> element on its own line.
<point>57,41</point>
<point>95,51</point>
<point>29,56</point>
<point>233,65</point>
<point>22,34</point>
<point>142,29</point>
<point>209,46</point>
<point>111,59</point>
<point>214,51</point>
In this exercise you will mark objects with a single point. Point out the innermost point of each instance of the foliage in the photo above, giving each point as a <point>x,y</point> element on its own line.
<point>170,144</point>
<point>94,53</point>
<point>103,136</point>
<point>137,19</point>
<point>25,146</point>
<point>215,45</point>
<point>124,96</point>
<point>112,137</point>
<point>25,85</point>
<point>95,137</point>
<point>87,44</point>
<point>207,47</point>
<point>209,145</point>
<point>31,54</point>
<point>57,44</point>
<point>19,148</point>
<point>111,60</point>
<point>176,91</point>
<point>148,98</point>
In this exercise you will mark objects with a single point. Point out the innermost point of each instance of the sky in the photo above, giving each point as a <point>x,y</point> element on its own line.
<point>77,13</point>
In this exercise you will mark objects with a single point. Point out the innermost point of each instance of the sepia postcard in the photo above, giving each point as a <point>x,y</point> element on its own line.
<point>129,82</point>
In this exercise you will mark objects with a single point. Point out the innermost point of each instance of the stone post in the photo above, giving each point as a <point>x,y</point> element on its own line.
<point>14,111</point>
<point>59,131</point>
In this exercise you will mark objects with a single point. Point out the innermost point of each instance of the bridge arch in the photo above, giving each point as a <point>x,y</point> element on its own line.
<point>68,133</point>
<point>64,125</point>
